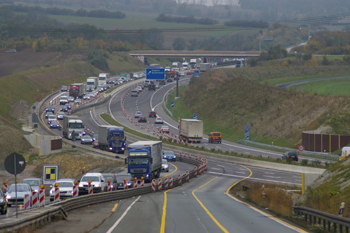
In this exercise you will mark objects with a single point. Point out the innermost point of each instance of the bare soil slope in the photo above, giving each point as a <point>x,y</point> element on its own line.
<point>20,61</point>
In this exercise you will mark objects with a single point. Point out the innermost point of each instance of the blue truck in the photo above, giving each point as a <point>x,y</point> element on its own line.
<point>145,160</point>
<point>111,138</point>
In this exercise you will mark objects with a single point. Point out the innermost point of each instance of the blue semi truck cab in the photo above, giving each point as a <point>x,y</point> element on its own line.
<point>145,159</point>
<point>112,138</point>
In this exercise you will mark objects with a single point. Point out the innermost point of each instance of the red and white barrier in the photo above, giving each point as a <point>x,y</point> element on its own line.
<point>75,189</point>
<point>160,184</point>
<point>125,184</point>
<point>135,182</point>
<point>141,125</point>
<point>195,171</point>
<point>179,179</point>
<point>42,196</point>
<point>90,188</point>
<point>147,128</point>
<point>187,176</point>
<point>142,183</point>
<point>165,183</point>
<point>171,182</point>
<point>153,185</point>
<point>109,185</point>
<point>5,186</point>
<point>57,193</point>
<point>35,199</point>
<point>26,203</point>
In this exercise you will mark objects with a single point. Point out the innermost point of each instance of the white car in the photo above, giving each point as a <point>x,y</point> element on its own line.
<point>51,118</point>
<point>22,189</point>
<point>165,129</point>
<point>138,114</point>
<point>65,187</point>
<point>165,165</point>
<point>70,98</point>
<point>158,120</point>
<point>97,181</point>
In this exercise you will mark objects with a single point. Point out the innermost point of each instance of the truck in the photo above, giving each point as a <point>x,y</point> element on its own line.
<point>204,67</point>
<point>185,66</point>
<point>102,79</point>
<point>191,130</point>
<point>72,123</point>
<point>111,138</point>
<point>91,83</point>
<point>77,90</point>
<point>194,62</point>
<point>124,76</point>
<point>145,160</point>
<point>176,65</point>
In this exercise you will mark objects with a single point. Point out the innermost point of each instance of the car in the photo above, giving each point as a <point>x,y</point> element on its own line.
<point>64,108</point>
<point>60,115</point>
<point>48,114</point>
<point>169,80</point>
<point>34,183</point>
<point>120,180</point>
<point>167,69</point>
<point>142,119</point>
<point>51,118</point>
<point>157,85</point>
<point>162,82</point>
<point>214,137</point>
<point>138,114</point>
<point>152,114</point>
<point>68,106</point>
<point>64,88</point>
<point>165,165</point>
<point>158,120</point>
<point>3,203</point>
<point>97,181</point>
<point>182,73</point>
<point>113,180</point>
<point>146,83</point>
<point>94,137</point>
<point>22,189</point>
<point>50,109</point>
<point>77,101</point>
<point>63,100</point>
<point>65,187</point>
<point>290,155</point>
<point>139,88</point>
<point>71,98</point>
<point>189,72</point>
<point>100,89</point>
<point>95,144</point>
<point>165,129</point>
<point>86,139</point>
<point>54,124</point>
<point>135,93</point>
<point>169,155</point>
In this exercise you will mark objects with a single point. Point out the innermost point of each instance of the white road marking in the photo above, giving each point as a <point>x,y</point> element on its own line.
<point>121,217</point>
<point>216,168</point>
<point>219,165</point>
<point>276,177</point>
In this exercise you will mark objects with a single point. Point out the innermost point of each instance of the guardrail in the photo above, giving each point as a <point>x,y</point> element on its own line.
<point>165,103</point>
<point>38,216</point>
<point>327,221</point>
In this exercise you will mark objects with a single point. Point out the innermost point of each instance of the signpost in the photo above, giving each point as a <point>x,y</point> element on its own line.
<point>155,74</point>
<point>246,131</point>
<point>15,164</point>
<point>301,148</point>
<point>172,104</point>
<point>195,116</point>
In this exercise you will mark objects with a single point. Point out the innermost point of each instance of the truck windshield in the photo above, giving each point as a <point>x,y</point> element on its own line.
<point>116,136</point>
<point>73,90</point>
<point>75,125</point>
<point>138,161</point>
<point>90,83</point>
<point>101,78</point>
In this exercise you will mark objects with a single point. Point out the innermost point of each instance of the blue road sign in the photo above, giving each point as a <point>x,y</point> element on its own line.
<point>195,116</point>
<point>246,131</point>
<point>172,104</point>
<point>155,74</point>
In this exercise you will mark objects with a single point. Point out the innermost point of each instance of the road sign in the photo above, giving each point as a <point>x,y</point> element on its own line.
<point>50,174</point>
<point>301,148</point>
<point>155,74</point>
<point>246,131</point>
<point>15,163</point>
<point>195,116</point>
<point>172,104</point>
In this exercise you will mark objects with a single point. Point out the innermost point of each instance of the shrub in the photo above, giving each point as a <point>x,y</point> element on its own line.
<point>304,162</point>
<point>100,62</point>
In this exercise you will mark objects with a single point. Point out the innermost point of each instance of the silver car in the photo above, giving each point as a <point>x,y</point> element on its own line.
<point>71,98</point>
<point>165,165</point>
<point>22,189</point>
<point>34,183</point>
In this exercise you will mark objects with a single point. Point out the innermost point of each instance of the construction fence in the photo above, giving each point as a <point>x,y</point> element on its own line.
<point>318,142</point>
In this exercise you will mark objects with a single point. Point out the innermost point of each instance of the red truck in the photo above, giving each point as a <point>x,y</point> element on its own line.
<point>77,90</point>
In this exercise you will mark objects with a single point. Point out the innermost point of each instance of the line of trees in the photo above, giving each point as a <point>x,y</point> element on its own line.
<point>189,19</point>
<point>65,11</point>
<point>247,23</point>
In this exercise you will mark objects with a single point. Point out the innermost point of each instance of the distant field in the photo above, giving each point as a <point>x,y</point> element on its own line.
<point>338,87</point>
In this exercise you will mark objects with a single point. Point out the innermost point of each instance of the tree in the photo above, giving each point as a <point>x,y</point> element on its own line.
<point>325,60</point>
<point>179,44</point>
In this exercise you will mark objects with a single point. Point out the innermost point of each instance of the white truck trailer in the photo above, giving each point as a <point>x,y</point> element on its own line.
<point>191,130</point>
<point>72,123</point>
<point>91,83</point>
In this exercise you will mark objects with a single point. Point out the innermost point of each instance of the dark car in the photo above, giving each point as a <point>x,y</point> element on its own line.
<point>47,114</point>
<point>54,124</point>
<point>169,155</point>
<point>112,178</point>
<point>50,109</point>
<point>120,181</point>
<point>290,155</point>
<point>64,88</point>
<point>94,137</point>
<point>86,140</point>
<point>142,119</point>
<point>3,203</point>
<point>152,114</point>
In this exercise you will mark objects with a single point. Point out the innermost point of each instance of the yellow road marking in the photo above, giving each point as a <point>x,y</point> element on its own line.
<point>115,206</point>
<point>42,119</point>
<point>262,212</point>
<point>172,171</point>
<point>162,226</point>
<point>206,210</point>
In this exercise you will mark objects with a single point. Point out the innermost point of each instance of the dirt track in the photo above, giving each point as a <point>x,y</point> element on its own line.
<point>20,61</point>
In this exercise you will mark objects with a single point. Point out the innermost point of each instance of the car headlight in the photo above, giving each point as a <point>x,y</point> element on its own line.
<point>71,192</point>
<point>165,165</point>
<point>129,183</point>
<point>82,139</point>
<point>81,185</point>
<point>97,185</point>
<point>51,191</point>
<point>164,156</point>
<point>8,197</point>
<point>174,156</point>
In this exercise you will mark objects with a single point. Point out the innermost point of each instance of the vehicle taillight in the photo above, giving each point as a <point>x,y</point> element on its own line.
<point>287,156</point>
<point>297,156</point>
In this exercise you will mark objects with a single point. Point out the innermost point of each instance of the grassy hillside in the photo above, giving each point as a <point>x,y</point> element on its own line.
<point>227,104</point>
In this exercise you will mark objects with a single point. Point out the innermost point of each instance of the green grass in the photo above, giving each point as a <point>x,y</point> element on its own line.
<point>337,87</point>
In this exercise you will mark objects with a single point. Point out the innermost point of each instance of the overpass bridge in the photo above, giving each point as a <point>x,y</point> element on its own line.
<point>142,54</point>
